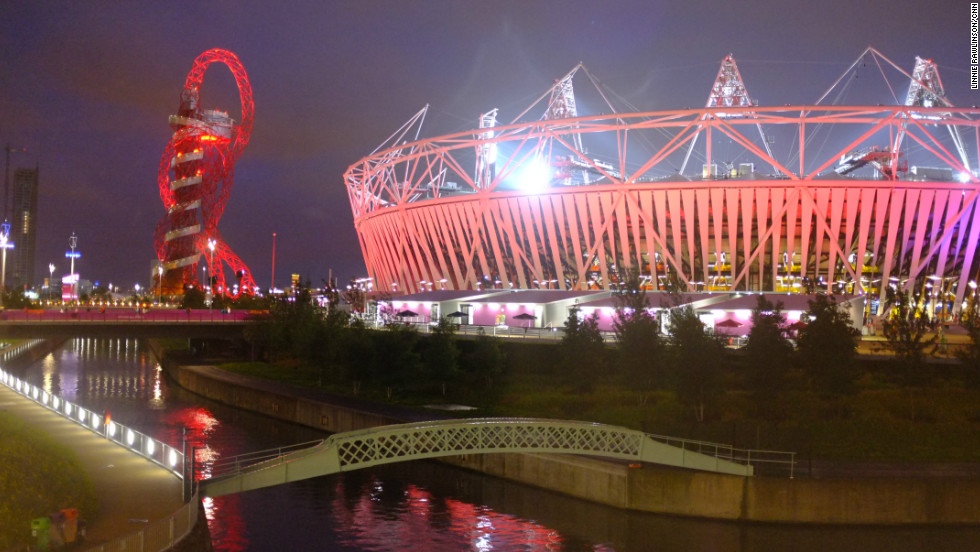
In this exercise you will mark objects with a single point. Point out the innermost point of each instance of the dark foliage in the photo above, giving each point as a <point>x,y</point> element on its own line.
<point>641,351</point>
<point>827,347</point>
<point>908,333</point>
<point>696,360</point>
<point>582,350</point>
<point>768,355</point>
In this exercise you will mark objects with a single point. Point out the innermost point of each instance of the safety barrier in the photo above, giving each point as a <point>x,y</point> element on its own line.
<point>750,457</point>
<point>156,536</point>
<point>137,442</point>
<point>160,535</point>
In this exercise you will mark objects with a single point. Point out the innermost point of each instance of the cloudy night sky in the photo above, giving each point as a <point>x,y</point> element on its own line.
<point>87,89</point>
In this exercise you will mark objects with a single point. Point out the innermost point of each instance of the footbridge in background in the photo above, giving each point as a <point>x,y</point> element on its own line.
<point>415,441</point>
<point>123,322</point>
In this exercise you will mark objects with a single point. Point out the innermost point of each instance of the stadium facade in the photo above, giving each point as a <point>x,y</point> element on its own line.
<point>863,197</point>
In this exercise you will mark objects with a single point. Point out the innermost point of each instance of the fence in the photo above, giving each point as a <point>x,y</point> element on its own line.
<point>160,535</point>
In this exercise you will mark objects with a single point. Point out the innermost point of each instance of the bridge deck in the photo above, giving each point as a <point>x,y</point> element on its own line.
<point>398,443</point>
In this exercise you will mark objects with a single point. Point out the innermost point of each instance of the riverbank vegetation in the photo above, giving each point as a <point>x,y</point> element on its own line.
<point>38,476</point>
<point>817,398</point>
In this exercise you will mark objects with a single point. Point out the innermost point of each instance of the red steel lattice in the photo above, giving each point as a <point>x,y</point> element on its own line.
<point>195,180</point>
<point>819,216</point>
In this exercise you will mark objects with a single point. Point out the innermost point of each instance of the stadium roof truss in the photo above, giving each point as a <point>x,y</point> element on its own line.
<point>893,200</point>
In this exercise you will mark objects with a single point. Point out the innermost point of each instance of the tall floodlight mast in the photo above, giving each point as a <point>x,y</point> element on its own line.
<point>201,157</point>
<point>486,151</point>
<point>926,90</point>
<point>727,91</point>
<point>561,105</point>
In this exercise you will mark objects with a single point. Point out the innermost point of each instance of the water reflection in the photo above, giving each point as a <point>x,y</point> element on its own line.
<point>417,506</point>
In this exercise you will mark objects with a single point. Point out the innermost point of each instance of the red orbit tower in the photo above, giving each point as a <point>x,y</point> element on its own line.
<point>195,179</point>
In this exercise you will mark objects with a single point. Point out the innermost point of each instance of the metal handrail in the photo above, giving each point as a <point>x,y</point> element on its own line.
<point>233,465</point>
<point>159,535</point>
<point>729,452</point>
<point>155,450</point>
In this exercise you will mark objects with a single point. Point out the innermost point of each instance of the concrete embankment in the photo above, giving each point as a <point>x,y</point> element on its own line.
<point>887,501</point>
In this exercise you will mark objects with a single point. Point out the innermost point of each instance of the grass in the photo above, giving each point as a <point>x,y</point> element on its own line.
<point>39,476</point>
<point>881,421</point>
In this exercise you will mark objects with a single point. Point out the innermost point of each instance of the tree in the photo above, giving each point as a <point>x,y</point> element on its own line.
<point>355,297</point>
<point>768,353</point>
<point>907,328</point>
<point>101,293</point>
<point>696,359</point>
<point>355,355</point>
<point>246,301</point>
<point>290,327</point>
<point>15,299</point>
<point>582,349</point>
<point>441,354</point>
<point>193,298</point>
<point>827,346</point>
<point>396,360</point>
<point>638,335</point>
<point>486,360</point>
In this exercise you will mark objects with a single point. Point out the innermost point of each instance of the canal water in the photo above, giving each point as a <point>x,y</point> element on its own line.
<point>414,506</point>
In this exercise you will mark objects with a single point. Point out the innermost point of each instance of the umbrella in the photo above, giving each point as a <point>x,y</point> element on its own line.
<point>525,316</point>
<point>407,314</point>
<point>729,324</point>
<point>797,326</point>
<point>456,314</point>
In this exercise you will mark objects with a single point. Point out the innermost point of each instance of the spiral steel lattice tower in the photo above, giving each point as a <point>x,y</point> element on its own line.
<point>195,179</point>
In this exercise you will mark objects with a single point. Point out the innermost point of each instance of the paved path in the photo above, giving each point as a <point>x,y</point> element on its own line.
<point>130,487</point>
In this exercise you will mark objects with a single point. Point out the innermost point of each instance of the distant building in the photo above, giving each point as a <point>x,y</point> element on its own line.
<point>23,228</point>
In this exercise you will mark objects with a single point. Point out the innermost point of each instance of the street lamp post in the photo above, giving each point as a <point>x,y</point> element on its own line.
<point>50,280</point>
<point>160,285</point>
<point>4,244</point>
<point>211,264</point>
<point>72,243</point>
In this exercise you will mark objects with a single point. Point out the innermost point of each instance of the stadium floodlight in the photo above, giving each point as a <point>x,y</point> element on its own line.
<point>535,175</point>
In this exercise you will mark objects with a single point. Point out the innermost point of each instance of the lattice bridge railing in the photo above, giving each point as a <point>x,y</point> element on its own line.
<point>382,445</point>
<point>397,443</point>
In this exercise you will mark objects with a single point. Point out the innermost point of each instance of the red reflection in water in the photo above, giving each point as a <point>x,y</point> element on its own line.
<point>484,528</point>
<point>424,523</point>
<point>225,522</point>
<point>198,421</point>
<point>224,514</point>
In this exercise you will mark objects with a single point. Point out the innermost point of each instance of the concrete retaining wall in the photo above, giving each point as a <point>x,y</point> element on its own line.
<point>887,501</point>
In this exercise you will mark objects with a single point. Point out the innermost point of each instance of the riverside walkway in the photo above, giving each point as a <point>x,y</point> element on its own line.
<point>132,490</point>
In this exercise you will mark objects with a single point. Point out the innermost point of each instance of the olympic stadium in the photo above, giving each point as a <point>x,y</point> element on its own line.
<point>577,190</point>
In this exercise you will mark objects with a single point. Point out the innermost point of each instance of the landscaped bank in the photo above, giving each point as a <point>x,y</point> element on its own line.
<point>910,500</point>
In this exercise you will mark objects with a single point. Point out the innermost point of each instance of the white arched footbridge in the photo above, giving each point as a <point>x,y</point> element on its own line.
<point>415,441</point>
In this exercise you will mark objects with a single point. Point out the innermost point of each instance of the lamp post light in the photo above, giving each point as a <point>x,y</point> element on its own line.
<point>211,264</point>
<point>4,244</point>
<point>50,280</point>
<point>73,243</point>
<point>160,284</point>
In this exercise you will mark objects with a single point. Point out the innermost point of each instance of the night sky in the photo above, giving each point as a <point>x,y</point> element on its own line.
<point>87,88</point>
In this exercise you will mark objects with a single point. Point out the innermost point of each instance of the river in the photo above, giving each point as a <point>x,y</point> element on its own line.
<point>414,506</point>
